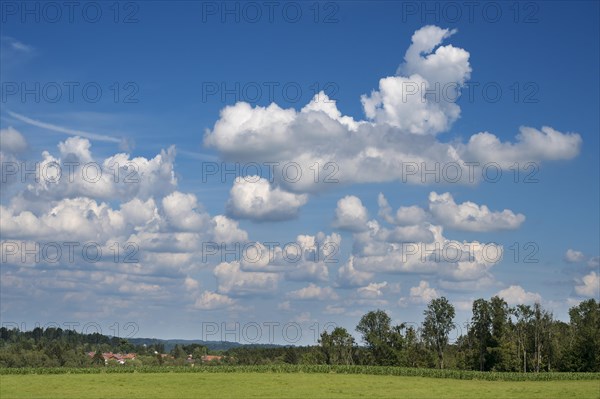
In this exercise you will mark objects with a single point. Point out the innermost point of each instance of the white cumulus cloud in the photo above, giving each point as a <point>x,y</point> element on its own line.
<point>233,280</point>
<point>350,214</point>
<point>470,216</point>
<point>348,276</point>
<point>313,291</point>
<point>254,198</point>
<point>372,291</point>
<point>400,129</point>
<point>210,300</point>
<point>573,256</point>
<point>515,294</point>
<point>420,295</point>
<point>589,285</point>
<point>12,141</point>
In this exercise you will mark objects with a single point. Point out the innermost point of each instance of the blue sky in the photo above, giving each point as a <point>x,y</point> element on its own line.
<point>156,73</point>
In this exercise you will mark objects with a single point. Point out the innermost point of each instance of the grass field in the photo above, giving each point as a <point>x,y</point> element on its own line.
<point>280,385</point>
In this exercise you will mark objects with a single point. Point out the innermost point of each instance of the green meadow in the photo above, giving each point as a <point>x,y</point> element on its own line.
<point>281,385</point>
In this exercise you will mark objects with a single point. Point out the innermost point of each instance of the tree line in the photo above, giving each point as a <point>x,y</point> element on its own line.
<point>523,338</point>
<point>499,338</point>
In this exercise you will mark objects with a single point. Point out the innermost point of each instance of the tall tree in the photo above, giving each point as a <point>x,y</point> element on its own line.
<point>383,340</point>
<point>585,327</point>
<point>523,314</point>
<point>481,323</point>
<point>542,322</point>
<point>412,347</point>
<point>337,346</point>
<point>499,313</point>
<point>374,327</point>
<point>438,323</point>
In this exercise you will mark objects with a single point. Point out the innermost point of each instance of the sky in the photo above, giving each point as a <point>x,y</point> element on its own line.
<point>258,172</point>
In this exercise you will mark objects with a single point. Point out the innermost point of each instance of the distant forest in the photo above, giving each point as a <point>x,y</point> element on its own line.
<point>523,338</point>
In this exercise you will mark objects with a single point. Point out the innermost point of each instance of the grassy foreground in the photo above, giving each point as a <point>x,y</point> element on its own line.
<point>280,385</point>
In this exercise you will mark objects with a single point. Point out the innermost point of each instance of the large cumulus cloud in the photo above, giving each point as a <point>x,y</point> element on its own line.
<point>403,121</point>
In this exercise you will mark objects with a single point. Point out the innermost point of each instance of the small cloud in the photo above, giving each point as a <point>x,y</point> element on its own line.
<point>210,300</point>
<point>589,285</point>
<point>313,292</point>
<point>303,317</point>
<point>515,294</point>
<point>419,295</point>
<point>351,214</point>
<point>332,309</point>
<point>469,216</point>
<point>463,305</point>
<point>12,141</point>
<point>253,197</point>
<point>572,256</point>
<point>373,290</point>
<point>16,45</point>
<point>190,284</point>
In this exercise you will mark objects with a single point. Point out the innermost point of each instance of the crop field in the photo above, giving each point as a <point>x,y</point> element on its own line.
<point>265,382</point>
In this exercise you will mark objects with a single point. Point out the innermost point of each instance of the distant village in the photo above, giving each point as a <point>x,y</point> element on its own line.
<point>121,358</point>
